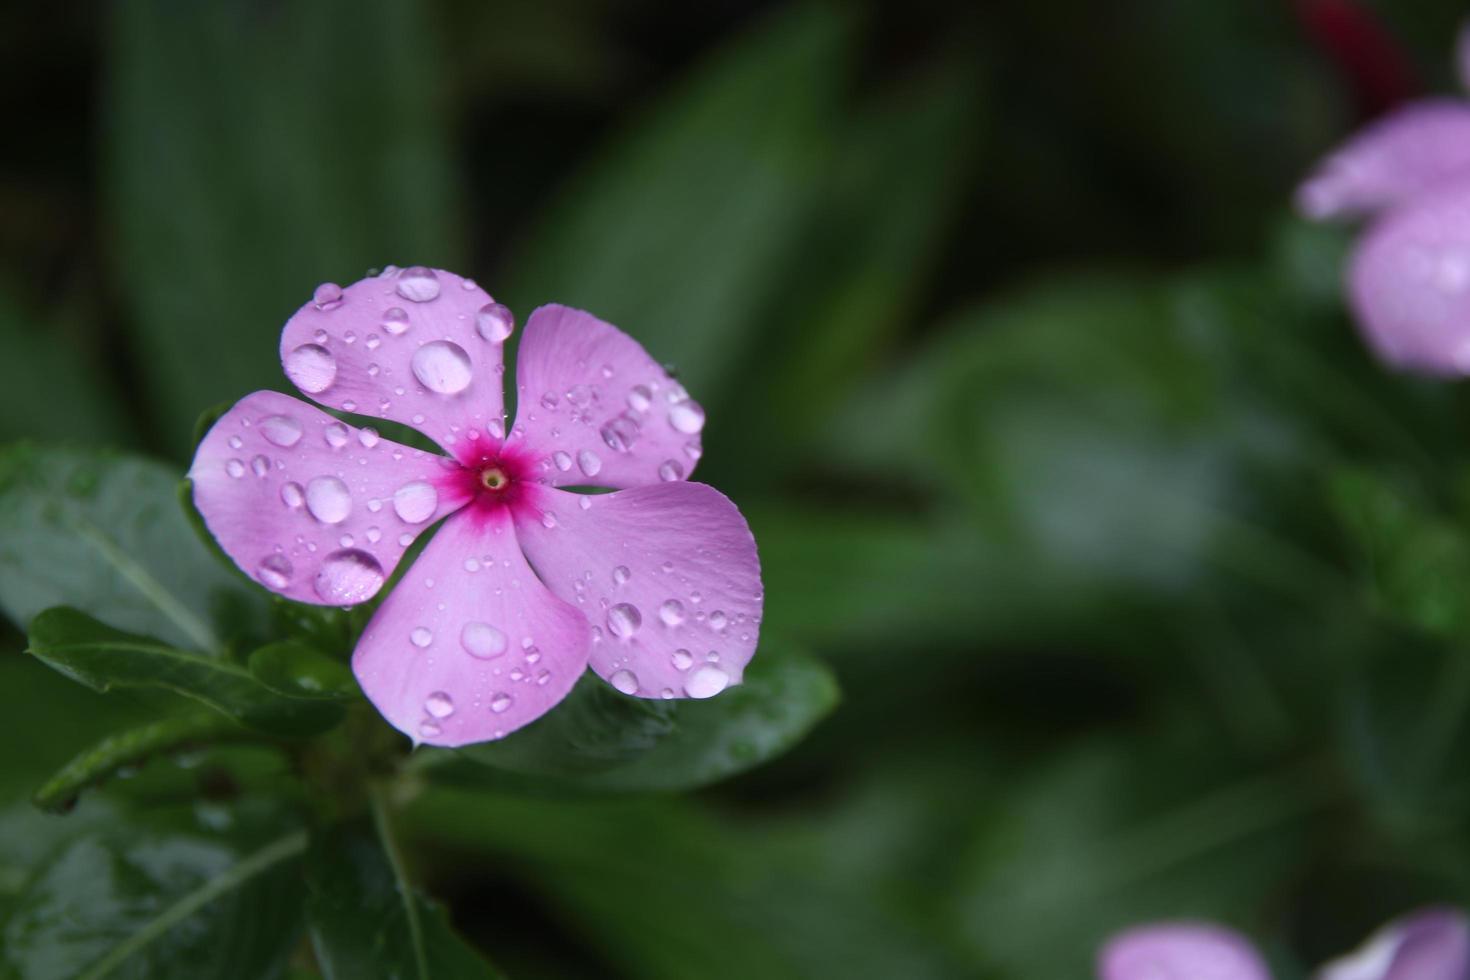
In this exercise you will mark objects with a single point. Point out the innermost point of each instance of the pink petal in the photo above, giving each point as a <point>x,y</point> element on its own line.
<point>418,346</point>
<point>1409,282</point>
<point>1431,944</point>
<point>596,410</point>
<point>312,508</point>
<point>667,573</point>
<point>1180,951</point>
<point>1409,151</point>
<point>469,645</point>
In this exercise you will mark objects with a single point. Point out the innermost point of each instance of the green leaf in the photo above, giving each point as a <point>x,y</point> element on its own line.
<point>679,232</point>
<point>598,740</point>
<point>103,658</point>
<point>103,532</point>
<point>297,670</point>
<point>136,902</point>
<point>254,153</point>
<point>130,747</point>
<point>366,920</point>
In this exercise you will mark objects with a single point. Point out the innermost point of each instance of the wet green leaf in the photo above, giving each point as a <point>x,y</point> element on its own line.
<point>298,671</point>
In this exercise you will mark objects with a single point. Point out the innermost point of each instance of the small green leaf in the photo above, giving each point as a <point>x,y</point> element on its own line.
<point>102,658</point>
<point>299,671</point>
<point>136,902</point>
<point>366,920</point>
<point>103,532</point>
<point>131,747</point>
<point>601,741</point>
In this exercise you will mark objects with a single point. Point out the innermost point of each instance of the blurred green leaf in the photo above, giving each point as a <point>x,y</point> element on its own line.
<point>136,902</point>
<point>600,741</point>
<point>254,151</point>
<point>128,748</point>
<point>101,657</point>
<point>367,921</point>
<point>103,532</point>
<point>678,233</point>
<point>298,671</point>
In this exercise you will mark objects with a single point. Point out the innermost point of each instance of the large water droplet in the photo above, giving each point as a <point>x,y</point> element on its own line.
<point>625,681</point>
<point>418,283</point>
<point>482,640</point>
<point>275,571</point>
<point>620,434</point>
<point>500,702</point>
<point>235,468</point>
<point>639,398</point>
<point>281,430</point>
<point>562,460</point>
<point>421,636</point>
<point>589,462</point>
<point>349,576</point>
<point>336,435</point>
<point>669,471</point>
<point>368,437</point>
<point>624,619</point>
<point>292,495</point>
<point>328,499</point>
<point>312,368</point>
<point>494,322</point>
<point>415,502</point>
<point>328,296</point>
<point>718,621</point>
<point>442,366</point>
<point>707,681</point>
<point>683,659</point>
<point>439,704</point>
<point>395,320</point>
<point>671,612</point>
<point>687,417</point>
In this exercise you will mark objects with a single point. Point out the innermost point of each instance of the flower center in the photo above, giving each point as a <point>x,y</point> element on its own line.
<point>494,478</point>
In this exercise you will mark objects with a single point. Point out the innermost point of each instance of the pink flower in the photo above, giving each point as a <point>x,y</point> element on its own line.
<point>656,585</point>
<point>1430,944</point>
<point>1409,276</point>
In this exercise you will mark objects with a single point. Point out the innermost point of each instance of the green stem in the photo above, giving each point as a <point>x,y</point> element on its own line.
<point>401,882</point>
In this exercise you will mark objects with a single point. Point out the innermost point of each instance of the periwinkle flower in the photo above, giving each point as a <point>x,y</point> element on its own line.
<point>1430,944</point>
<point>1408,279</point>
<point>655,585</point>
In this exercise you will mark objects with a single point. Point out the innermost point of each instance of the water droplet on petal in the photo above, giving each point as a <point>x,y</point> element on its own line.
<point>235,468</point>
<point>430,730</point>
<point>418,284</point>
<point>620,434</point>
<point>620,575</point>
<point>275,571</point>
<point>368,437</point>
<point>281,430</point>
<point>625,681</point>
<point>494,322</point>
<point>584,501</point>
<point>312,368</point>
<point>328,499</point>
<point>669,471</point>
<point>687,417</point>
<point>482,640</point>
<point>671,612</point>
<point>439,704</point>
<point>718,621</point>
<point>624,619</point>
<point>562,460</point>
<point>707,681</point>
<point>548,520</point>
<point>348,577</point>
<point>328,296</point>
<point>683,659</point>
<point>292,495</point>
<point>260,466</point>
<point>500,702</point>
<point>639,398</point>
<point>442,366</point>
<point>589,462</point>
<point>421,636</point>
<point>236,442</point>
<point>415,502</point>
<point>395,320</point>
<point>336,435</point>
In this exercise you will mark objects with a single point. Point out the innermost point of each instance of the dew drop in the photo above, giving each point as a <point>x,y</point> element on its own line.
<point>687,417</point>
<point>669,471</point>
<point>671,612</point>
<point>620,434</point>
<point>624,619</point>
<point>421,636</point>
<point>439,704</point>
<point>494,322</point>
<point>328,296</point>
<point>236,442</point>
<point>500,702</point>
<point>707,681</point>
<point>563,460</point>
<point>548,520</point>
<point>328,499</point>
<point>275,571</point>
<point>589,462</point>
<point>368,437</point>
<point>395,321</point>
<point>584,501</point>
<point>336,435</point>
<point>683,659</point>
<point>482,640</point>
<point>418,284</point>
<point>442,366</point>
<point>639,398</point>
<point>292,495</point>
<point>415,502</point>
<point>430,730</point>
<point>281,430</point>
<point>312,368</point>
<point>348,576</point>
<point>625,681</point>
<point>620,575</point>
<point>718,621</point>
<point>374,535</point>
<point>260,466</point>
<point>235,468</point>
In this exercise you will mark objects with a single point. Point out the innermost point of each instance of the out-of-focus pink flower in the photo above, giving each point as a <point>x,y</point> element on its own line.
<point>1430,944</point>
<point>1409,276</point>
<point>656,585</point>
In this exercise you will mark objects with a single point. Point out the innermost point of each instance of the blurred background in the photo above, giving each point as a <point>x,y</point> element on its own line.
<point>1146,587</point>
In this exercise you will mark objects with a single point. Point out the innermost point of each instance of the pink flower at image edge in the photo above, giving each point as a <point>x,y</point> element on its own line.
<point>655,585</point>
